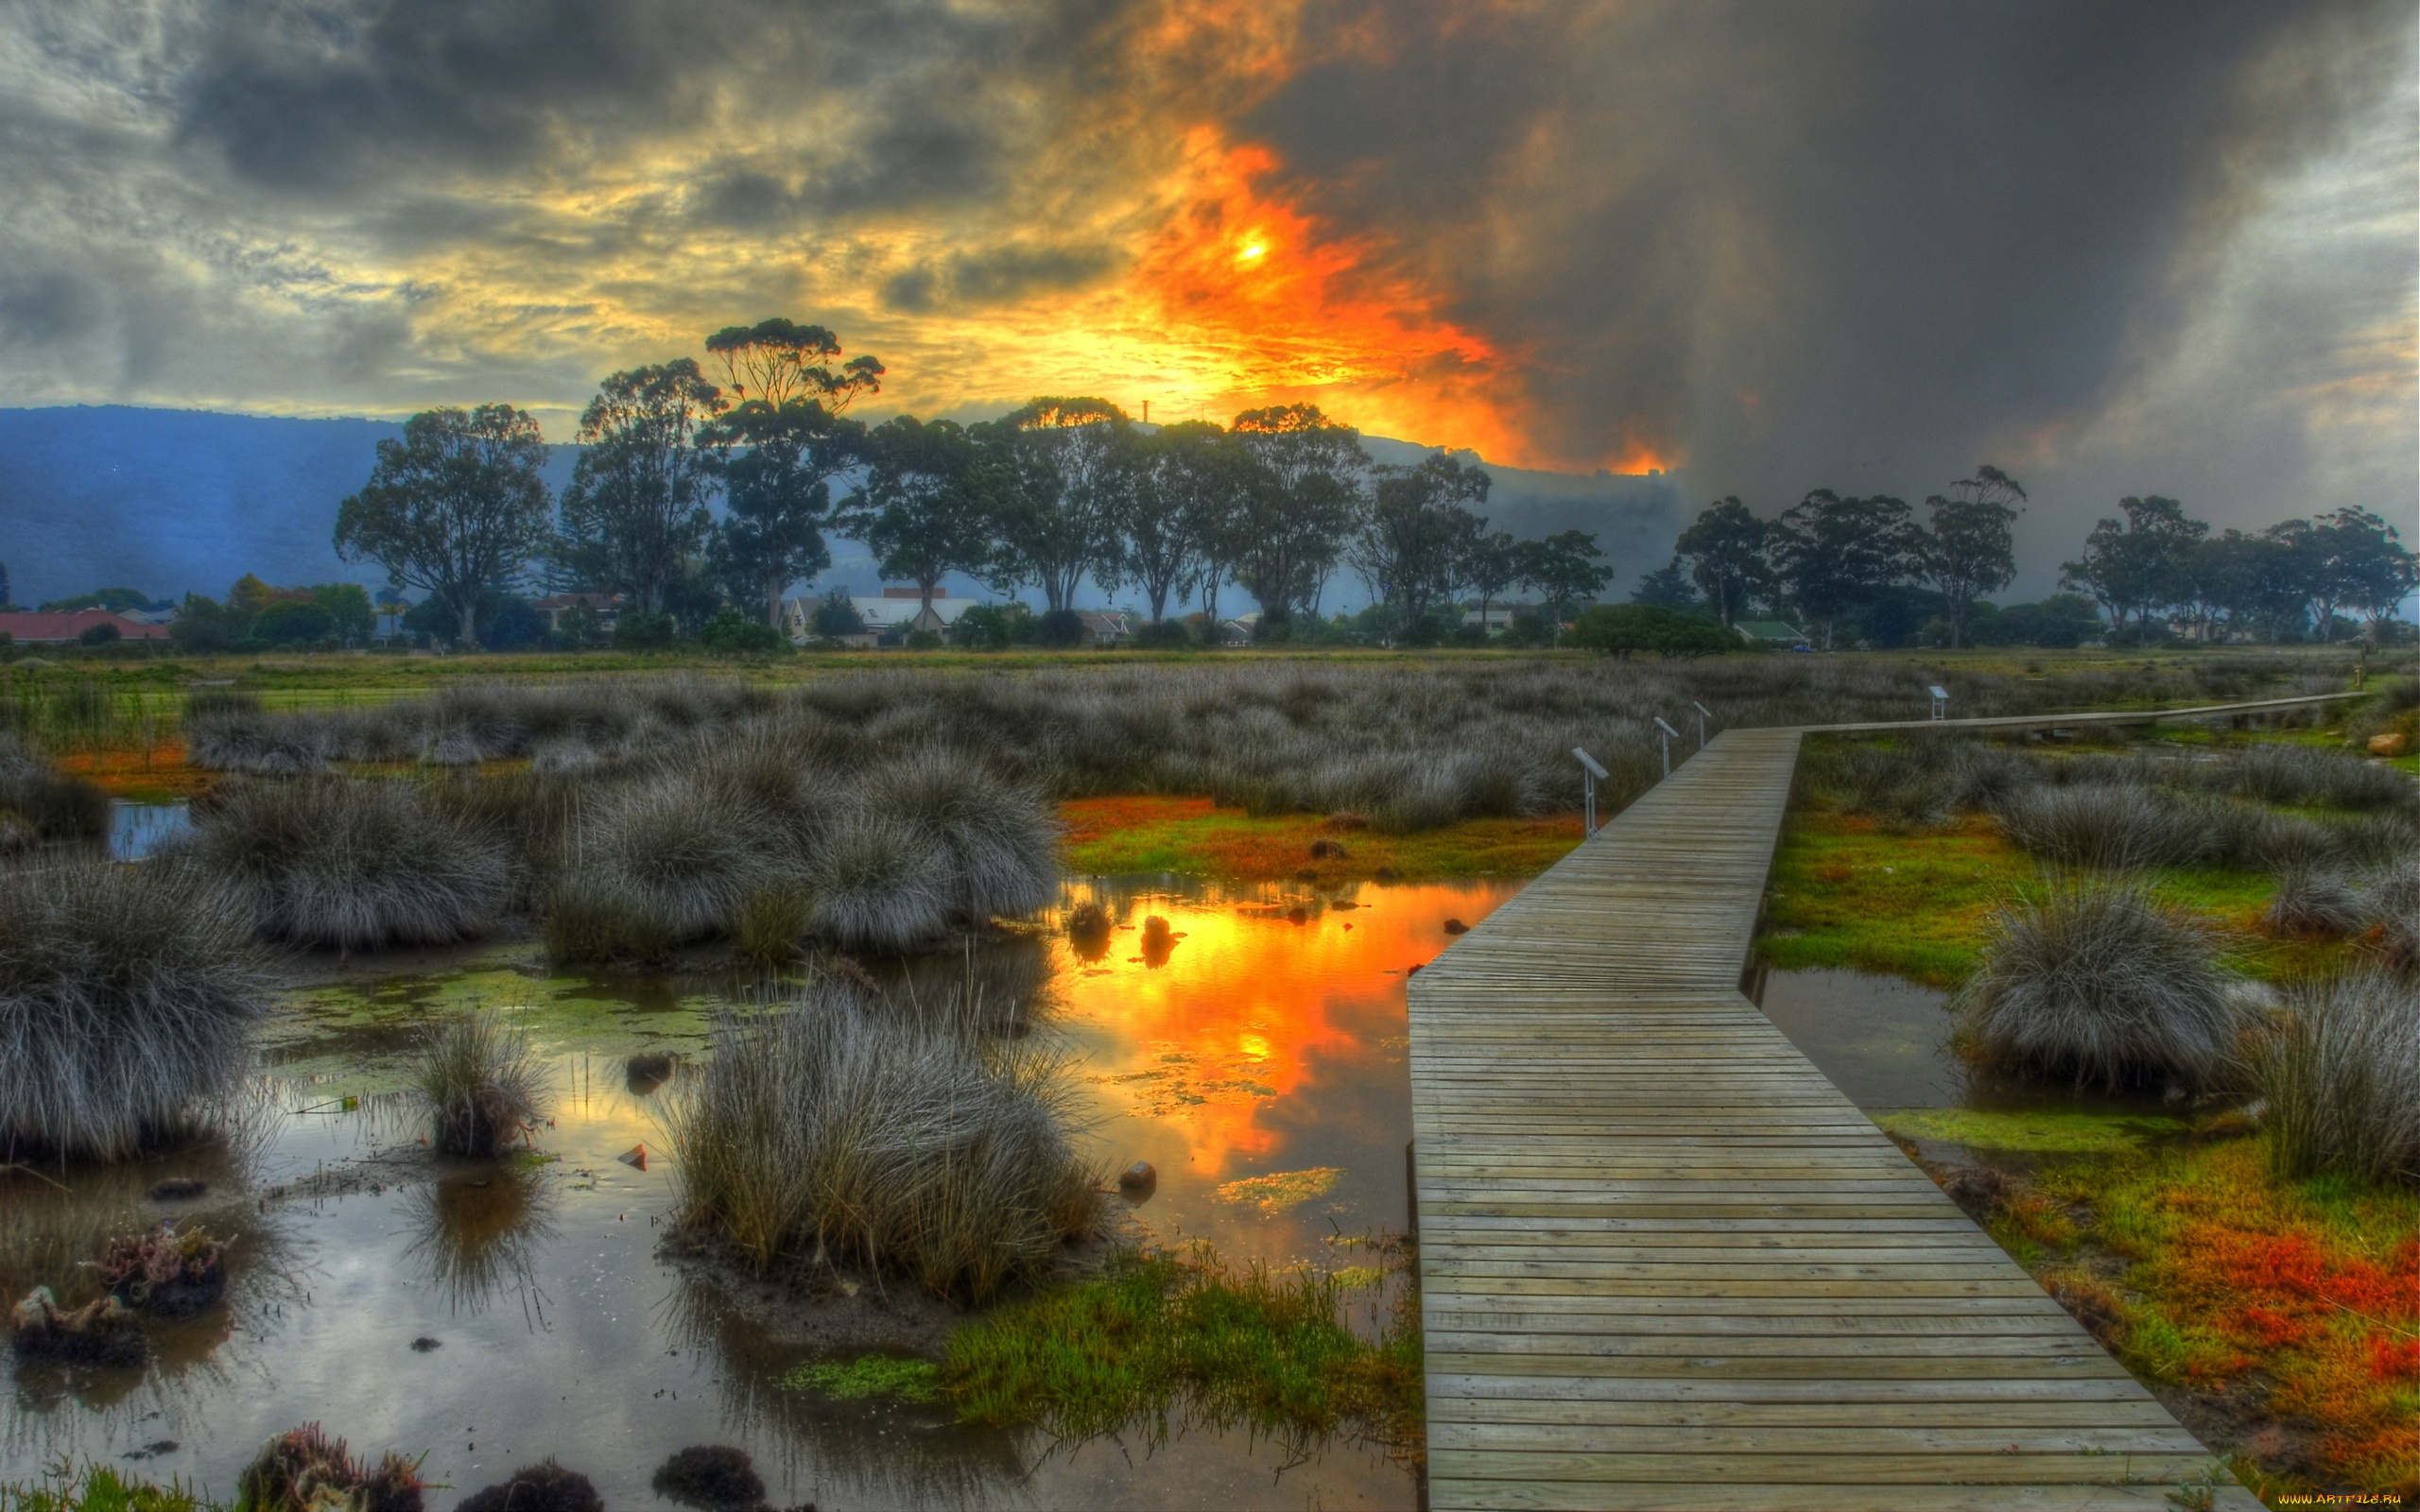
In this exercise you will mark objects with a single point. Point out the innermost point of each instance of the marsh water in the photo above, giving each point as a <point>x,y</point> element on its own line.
<point>1252,1051</point>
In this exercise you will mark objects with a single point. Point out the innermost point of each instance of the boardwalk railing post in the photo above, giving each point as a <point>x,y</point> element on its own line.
<point>1589,772</point>
<point>1705,713</point>
<point>1669,732</point>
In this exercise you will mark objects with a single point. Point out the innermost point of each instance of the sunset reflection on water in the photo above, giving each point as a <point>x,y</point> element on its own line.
<point>1263,1036</point>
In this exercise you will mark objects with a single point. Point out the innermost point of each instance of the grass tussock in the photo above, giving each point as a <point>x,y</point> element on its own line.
<point>2340,1079</point>
<point>39,807</point>
<point>481,1079</point>
<point>1164,1337</point>
<point>890,1136</point>
<point>2099,983</point>
<point>354,864</point>
<point>2393,911</point>
<point>306,1471</point>
<point>127,998</point>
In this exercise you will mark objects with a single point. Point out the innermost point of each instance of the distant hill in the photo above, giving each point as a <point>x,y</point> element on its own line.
<point>174,501</point>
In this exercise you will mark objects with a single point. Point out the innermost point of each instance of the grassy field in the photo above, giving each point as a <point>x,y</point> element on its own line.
<point>1192,835</point>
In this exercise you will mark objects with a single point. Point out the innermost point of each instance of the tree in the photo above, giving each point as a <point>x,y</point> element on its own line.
<point>1166,521</point>
<point>924,512</point>
<point>1490,565</point>
<point>1216,476</point>
<point>455,508</point>
<point>777,466</point>
<point>2130,566</point>
<point>1971,549</point>
<point>1667,587</point>
<point>1069,465</point>
<point>2364,565</point>
<point>1304,491</point>
<point>1416,533</point>
<point>635,512</point>
<point>1838,555</point>
<point>1725,550</point>
<point>777,362</point>
<point>1562,570</point>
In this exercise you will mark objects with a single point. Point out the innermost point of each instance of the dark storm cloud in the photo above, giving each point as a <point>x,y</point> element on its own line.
<point>1846,244</point>
<point>1000,275</point>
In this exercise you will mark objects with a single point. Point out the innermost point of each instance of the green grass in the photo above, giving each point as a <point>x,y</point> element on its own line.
<point>866,1377</point>
<point>100,1488</point>
<point>1850,892</point>
<point>1162,1338</point>
<point>2037,1132</point>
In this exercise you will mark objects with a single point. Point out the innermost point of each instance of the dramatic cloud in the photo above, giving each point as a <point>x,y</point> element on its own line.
<point>2166,245</point>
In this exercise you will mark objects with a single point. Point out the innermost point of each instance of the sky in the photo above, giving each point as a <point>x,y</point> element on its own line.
<point>2170,246</point>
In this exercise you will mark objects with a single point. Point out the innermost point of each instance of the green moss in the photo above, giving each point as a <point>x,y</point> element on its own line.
<point>100,1488</point>
<point>866,1377</point>
<point>2040,1132</point>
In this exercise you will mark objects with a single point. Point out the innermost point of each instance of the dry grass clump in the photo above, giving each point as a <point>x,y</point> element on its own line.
<point>127,997</point>
<point>999,839</point>
<point>2297,775</point>
<point>2311,901</point>
<point>39,807</point>
<point>2098,983</point>
<point>2340,1077</point>
<point>679,850</point>
<point>889,1136</point>
<point>356,865</point>
<point>2107,826</point>
<point>482,1084</point>
<point>2392,908</point>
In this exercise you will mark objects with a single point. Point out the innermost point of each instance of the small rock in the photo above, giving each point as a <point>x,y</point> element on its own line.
<point>424,1344</point>
<point>176,1189</point>
<point>1411,971</point>
<point>1140,1177</point>
<point>1455,926</point>
<point>635,1156</point>
<point>1297,915</point>
<point>2394,743</point>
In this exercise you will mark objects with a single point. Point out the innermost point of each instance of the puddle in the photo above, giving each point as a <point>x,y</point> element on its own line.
<point>1252,1050</point>
<point>138,829</point>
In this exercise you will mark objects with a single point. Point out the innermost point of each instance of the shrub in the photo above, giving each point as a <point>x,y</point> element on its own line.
<point>545,1486</point>
<point>885,1135</point>
<point>2098,983</point>
<point>1162,635</point>
<point>38,807</point>
<point>1620,629</point>
<point>921,641</point>
<point>2277,773</point>
<point>732,633</point>
<point>482,1085</point>
<point>354,864</point>
<point>1059,630</point>
<point>636,629</point>
<point>773,924</point>
<point>2341,1079</point>
<point>127,996</point>
<point>710,1477</point>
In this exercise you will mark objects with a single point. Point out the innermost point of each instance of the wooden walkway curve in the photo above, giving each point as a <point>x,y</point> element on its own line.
<point>1665,1264</point>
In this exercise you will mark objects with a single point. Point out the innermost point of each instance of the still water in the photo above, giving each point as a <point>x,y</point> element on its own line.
<point>1250,1047</point>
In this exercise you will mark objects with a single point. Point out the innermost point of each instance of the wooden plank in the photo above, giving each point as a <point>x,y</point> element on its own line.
<point>1665,1263</point>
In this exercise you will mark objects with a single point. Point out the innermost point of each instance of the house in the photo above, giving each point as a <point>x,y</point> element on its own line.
<point>24,628</point>
<point>1771,633</point>
<point>1237,630</point>
<point>888,618</point>
<point>1107,627</point>
<point>1499,616</point>
<point>607,607</point>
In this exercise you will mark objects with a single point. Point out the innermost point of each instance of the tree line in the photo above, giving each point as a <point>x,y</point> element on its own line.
<point>1058,491</point>
<point>1869,568</point>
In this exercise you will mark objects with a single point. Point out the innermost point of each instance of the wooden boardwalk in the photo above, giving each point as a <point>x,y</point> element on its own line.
<point>1665,1266</point>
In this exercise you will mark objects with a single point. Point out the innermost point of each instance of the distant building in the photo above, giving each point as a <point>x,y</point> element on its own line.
<point>888,618</point>
<point>24,628</point>
<point>1499,616</point>
<point>1107,627</point>
<point>555,606</point>
<point>1771,633</point>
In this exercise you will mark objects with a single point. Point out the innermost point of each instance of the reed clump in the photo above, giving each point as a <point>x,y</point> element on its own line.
<point>127,995</point>
<point>2097,982</point>
<point>38,807</point>
<point>483,1085</point>
<point>306,1471</point>
<point>891,1137</point>
<point>351,863</point>
<point>2340,1077</point>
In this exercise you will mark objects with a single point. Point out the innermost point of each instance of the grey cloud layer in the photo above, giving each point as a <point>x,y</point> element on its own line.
<point>1863,244</point>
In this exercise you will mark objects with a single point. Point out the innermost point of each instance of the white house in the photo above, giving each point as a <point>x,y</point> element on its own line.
<point>892,614</point>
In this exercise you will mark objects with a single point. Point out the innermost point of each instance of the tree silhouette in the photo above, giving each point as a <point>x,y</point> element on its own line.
<point>455,508</point>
